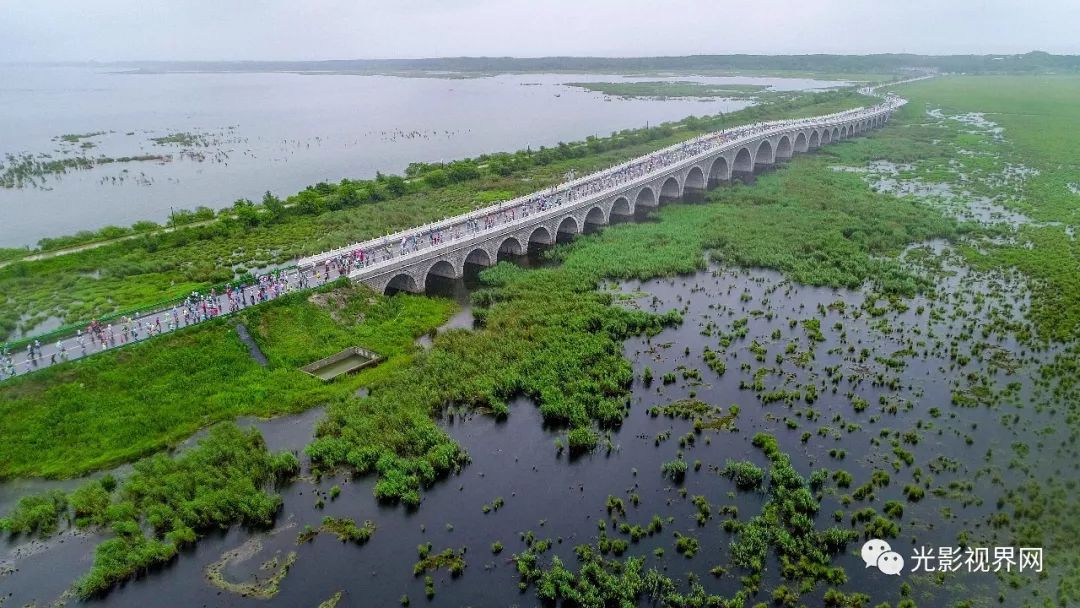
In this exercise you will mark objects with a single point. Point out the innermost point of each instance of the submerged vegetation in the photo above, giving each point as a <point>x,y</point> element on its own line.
<point>25,170</point>
<point>666,88</point>
<point>260,588</point>
<point>786,526</point>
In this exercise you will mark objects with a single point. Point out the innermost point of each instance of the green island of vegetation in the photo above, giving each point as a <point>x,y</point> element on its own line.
<point>185,139</point>
<point>666,88</point>
<point>77,138</point>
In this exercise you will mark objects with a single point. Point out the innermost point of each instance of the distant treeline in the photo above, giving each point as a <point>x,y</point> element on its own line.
<point>885,63</point>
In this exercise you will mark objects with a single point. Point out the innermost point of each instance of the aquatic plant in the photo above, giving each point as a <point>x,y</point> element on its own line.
<point>36,514</point>
<point>346,529</point>
<point>674,469</point>
<point>453,561</point>
<point>745,474</point>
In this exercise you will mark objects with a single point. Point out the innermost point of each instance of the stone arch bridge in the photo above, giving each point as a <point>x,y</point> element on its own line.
<point>751,149</point>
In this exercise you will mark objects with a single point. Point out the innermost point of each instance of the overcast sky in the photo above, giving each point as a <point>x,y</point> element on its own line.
<point>107,30</point>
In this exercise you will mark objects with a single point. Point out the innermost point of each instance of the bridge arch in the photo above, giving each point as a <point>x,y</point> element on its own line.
<point>670,190</point>
<point>764,155</point>
<point>510,246</point>
<point>826,137</point>
<point>621,206</point>
<point>442,268</point>
<point>801,144</point>
<point>835,134</point>
<point>645,198</point>
<point>814,141</point>
<point>402,282</point>
<point>568,225</point>
<point>720,171</point>
<point>595,217</point>
<point>481,257</point>
<point>744,161</point>
<point>541,235</point>
<point>783,148</point>
<point>695,180</point>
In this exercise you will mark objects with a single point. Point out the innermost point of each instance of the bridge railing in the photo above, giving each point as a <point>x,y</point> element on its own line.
<point>452,226</point>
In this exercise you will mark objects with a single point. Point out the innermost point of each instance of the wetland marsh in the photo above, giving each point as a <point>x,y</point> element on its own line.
<point>711,406</point>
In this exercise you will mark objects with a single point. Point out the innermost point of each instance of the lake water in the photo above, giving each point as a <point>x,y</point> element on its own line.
<point>280,132</point>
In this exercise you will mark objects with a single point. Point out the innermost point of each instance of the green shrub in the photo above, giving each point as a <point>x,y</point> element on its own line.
<point>745,474</point>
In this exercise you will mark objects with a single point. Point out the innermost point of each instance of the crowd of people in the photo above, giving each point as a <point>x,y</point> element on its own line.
<point>199,307</point>
<point>195,308</point>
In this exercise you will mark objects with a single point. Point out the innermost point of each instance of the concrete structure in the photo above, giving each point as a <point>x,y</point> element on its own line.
<point>347,361</point>
<point>405,260</point>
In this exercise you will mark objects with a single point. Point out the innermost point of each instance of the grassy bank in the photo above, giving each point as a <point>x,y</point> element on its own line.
<point>117,406</point>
